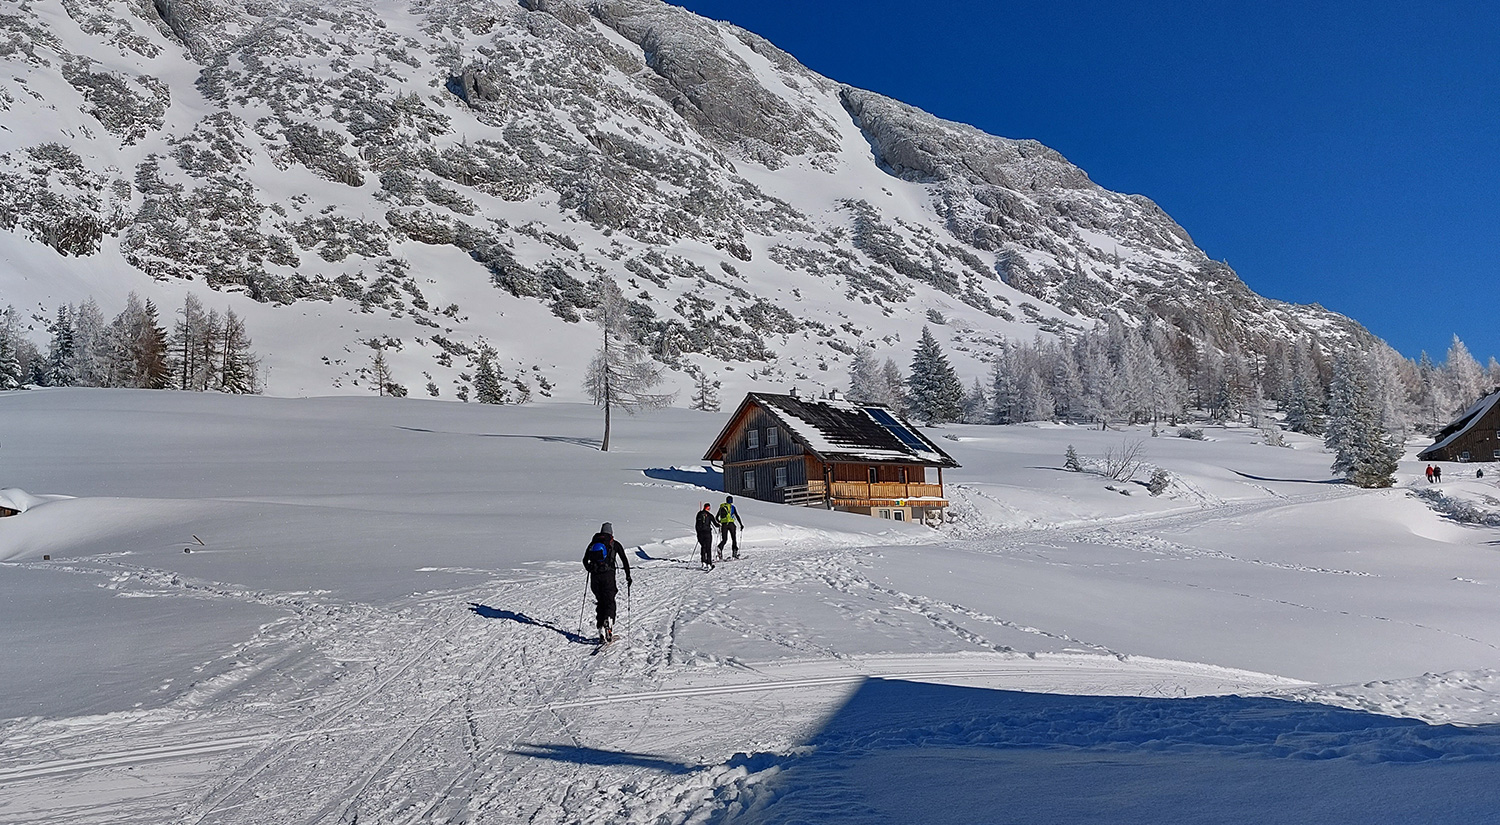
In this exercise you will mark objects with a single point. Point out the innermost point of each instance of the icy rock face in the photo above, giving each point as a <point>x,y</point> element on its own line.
<point>297,151</point>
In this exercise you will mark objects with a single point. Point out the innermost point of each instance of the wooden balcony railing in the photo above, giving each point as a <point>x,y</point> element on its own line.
<point>812,494</point>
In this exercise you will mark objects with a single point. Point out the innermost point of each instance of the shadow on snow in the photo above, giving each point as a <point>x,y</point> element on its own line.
<point>593,443</point>
<point>899,751</point>
<point>709,478</point>
<point>509,615</point>
<point>594,756</point>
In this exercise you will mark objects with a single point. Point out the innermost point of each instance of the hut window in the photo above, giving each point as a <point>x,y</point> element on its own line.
<point>752,439</point>
<point>874,475</point>
<point>749,481</point>
<point>898,515</point>
<point>885,513</point>
<point>1463,456</point>
<point>772,438</point>
<point>780,476</point>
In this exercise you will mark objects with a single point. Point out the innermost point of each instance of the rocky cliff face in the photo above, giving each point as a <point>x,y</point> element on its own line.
<point>435,176</point>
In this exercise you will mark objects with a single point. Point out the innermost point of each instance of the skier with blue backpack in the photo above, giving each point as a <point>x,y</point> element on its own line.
<point>602,557</point>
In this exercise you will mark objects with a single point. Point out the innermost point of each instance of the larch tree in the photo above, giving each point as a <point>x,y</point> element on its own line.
<point>705,394</point>
<point>621,373</point>
<point>239,369</point>
<point>866,383</point>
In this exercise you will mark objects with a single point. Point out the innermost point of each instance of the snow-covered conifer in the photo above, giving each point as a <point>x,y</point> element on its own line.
<point>59,368</point>
<point>91,353</point>
<point>1364,453</point>
<point>487,386</point>
<point>976,404</point>
<point>10,362</point>
<point>934,392</point>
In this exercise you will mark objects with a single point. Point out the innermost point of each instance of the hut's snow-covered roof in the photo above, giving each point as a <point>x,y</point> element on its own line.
<point>1460,425</point>
<point>836,430</point>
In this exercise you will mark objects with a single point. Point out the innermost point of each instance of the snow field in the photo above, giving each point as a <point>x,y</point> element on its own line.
<point>382,623</point>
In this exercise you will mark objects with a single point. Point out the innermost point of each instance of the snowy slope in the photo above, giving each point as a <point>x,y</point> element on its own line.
<point>379,619</point>
<point>438,175</point>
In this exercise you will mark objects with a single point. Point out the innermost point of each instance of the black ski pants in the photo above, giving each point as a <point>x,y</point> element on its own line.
<point>605,589</point>
<point>727,533</point>
<point>706,545</point>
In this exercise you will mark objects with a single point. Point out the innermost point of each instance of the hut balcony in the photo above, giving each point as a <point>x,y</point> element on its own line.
<point>862,494</point>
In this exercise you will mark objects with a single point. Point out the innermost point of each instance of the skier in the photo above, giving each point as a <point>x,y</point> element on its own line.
<point>704,524</point>
<point>1429,473</point>
<point>600,560</point>
<point>1437,474</point>
<point>727,527</point>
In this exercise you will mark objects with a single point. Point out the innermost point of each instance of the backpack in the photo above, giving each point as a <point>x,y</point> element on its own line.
<point>596,558</point>
<point>726,513</point>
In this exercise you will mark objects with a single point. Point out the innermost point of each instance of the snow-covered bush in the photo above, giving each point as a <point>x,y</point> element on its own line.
<point>1463,512</point>
<point>1160,481</point>
<point>1193,433</point>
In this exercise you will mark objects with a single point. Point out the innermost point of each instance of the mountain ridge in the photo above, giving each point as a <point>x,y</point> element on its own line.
<point>438,177</point>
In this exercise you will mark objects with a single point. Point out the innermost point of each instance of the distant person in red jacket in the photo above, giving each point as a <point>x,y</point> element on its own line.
<point>1429,473</point>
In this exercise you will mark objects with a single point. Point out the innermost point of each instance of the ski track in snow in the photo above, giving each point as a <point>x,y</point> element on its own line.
<point>433,711</point>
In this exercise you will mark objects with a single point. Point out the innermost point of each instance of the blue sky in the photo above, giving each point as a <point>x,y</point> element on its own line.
<point>1340,153</point>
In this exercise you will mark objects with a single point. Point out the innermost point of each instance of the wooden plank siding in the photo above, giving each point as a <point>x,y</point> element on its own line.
<point>1480,443</point>
<point>773,448</point>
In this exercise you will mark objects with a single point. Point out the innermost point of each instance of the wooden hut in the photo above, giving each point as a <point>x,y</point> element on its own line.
<point>1473,436</point>
<point>860,458</point>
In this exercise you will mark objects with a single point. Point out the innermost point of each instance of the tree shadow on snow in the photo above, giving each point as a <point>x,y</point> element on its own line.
<point>1291,480</point>
<point>592,443</point>
<point>594,756</point>
<point>709,478</point>
<point>899,751</point>
<point>509,615</point>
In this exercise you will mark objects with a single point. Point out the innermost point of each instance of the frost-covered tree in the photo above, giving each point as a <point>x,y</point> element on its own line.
<point>239,368</point>
<point>10,361</point>
<point>934,393</point>
<point>866,383</point>
<point>1363,452</point>
<point>59,369</point>
<point>621,373</point>
<point>138,347</point>
<point>895,386</point>
<point>976,404</point>
<point>1466,379</point>
<point>185,346</point>
<point>1004,386</point>
<point>91,346</point>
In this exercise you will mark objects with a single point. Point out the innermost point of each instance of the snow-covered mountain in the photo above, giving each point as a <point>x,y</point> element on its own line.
<point>434,175</point>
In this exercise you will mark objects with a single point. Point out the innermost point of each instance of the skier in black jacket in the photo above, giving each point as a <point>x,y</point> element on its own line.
<point>705,527</point>
<point>601,558</point>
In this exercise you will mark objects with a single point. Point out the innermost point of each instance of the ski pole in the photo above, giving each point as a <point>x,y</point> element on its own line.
<point>584,606</point>
<point>627,610</point>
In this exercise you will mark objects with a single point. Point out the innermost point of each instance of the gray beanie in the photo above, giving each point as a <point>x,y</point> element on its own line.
<point>608,529</point>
